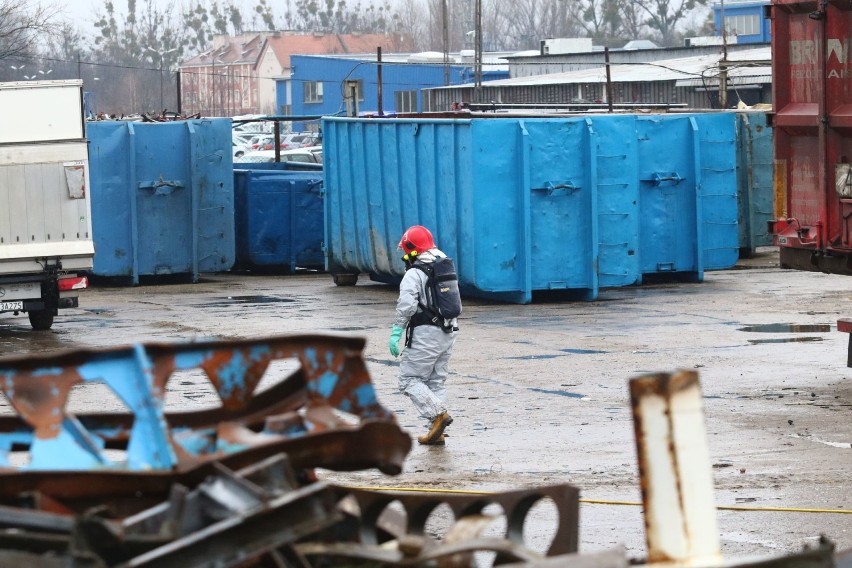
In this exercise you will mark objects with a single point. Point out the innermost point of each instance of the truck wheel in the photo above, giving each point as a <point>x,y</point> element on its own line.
<point>41,320</point>
<point>345,279</point>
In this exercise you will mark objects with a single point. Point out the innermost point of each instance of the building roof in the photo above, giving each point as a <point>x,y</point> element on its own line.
<point>240,49</point>
<point>492,61</point>
<point>285,44</point>
<point>747,66</point>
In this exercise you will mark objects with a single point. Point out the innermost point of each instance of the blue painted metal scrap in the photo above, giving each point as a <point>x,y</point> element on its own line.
<point>296,416</point>
<point>524,205</point>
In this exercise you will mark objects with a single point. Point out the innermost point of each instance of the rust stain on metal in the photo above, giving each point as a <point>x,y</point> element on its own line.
<point>37,404</point>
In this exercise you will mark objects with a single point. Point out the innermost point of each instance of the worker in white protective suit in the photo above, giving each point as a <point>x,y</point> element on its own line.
<point>429,338</point>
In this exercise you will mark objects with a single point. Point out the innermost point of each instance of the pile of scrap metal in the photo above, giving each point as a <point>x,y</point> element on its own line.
<point>226,486</point>
<point>168,116</point>
<point>235,485</point>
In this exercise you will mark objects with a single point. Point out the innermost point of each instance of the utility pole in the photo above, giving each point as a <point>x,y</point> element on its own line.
<point>608,80</point>
<point>379,80</point>
<point>477,86</point>
<point>161,84</point>
<point>446,40</point>
<point>723,63</point>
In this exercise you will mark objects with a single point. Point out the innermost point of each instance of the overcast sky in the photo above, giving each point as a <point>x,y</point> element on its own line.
<point>83,12</point>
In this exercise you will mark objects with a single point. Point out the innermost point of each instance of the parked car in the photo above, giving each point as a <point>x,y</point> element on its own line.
<point>316,151</point>
<point>263,142</point>
<point>243,138</point>
<point>303,155</point>
<point>239,149</point>
<point>298,140</point>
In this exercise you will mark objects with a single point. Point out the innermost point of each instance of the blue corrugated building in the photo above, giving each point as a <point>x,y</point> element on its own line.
<point>745,20</point>
<point>316,85</point>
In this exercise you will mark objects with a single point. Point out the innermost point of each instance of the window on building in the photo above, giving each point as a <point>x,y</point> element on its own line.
<point>744,24</point>
<point>313,91</point>
<point>286,110</point>
<point>406,101</point>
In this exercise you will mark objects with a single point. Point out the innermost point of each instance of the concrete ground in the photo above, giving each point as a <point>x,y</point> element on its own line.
<point>540,392</point>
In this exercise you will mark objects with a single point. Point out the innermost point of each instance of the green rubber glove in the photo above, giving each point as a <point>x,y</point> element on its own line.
<point>396,333</point>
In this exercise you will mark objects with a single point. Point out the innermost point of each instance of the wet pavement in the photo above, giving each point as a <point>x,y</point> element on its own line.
<point>539,392</point>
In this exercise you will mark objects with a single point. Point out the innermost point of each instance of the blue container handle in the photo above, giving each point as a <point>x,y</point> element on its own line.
<point>563,187</point>
<point>659,178</point>
<point>161,186</point>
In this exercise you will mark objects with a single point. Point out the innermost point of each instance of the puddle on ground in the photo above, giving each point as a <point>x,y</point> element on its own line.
<point>785,340</point>
<point>582,351</point>
<point>786,328</point>
<point>531,357</point>
<point>559,392</point>
<point>230,300</point>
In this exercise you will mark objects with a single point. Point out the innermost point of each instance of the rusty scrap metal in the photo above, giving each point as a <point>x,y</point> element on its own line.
<point>674,468</point>
<point>264,516</point>
<point>325,414</point>
<point>231,519</point>
<point>234,485</point>
<point>416,548</point>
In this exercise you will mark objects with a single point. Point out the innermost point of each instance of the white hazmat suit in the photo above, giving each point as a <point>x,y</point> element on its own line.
<point>424,365</point>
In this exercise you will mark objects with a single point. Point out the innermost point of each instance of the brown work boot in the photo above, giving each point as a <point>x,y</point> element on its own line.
<point>439,442</point>
<point>437,429</point>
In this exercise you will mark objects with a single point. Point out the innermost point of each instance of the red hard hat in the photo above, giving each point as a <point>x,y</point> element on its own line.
<point>416,238</point>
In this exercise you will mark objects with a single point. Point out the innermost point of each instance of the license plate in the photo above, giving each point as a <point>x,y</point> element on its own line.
<point>6,306</point>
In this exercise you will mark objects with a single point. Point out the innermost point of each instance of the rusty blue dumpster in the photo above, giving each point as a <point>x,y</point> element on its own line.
<point>278,219</point>
<point>525,205</point>
<point>162,198</point>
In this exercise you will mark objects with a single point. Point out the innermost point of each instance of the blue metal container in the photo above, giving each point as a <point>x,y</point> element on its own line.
<point>278,219</point>
<point>755,180</point>
<point>162,197</point>
<point>525,205</point>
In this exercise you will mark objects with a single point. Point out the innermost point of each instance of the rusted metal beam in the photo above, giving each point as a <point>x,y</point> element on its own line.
<point>675,470</point>
<point>325,414</point>
<point>416,548</point>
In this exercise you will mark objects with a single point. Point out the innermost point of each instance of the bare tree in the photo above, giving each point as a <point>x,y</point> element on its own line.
<point>663,16</point>
<point>413,21</point>
<point>522,24</point>
<point>22,25</point>
<point>632,23</point>
<point>601,19</point>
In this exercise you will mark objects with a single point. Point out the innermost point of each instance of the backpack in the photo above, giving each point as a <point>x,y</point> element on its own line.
<point>442,288</point>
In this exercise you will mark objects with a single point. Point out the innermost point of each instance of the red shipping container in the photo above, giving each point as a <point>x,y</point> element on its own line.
<point>812,92</point>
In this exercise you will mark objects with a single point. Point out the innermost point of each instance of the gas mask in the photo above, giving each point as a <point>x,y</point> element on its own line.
<point>409,258</point>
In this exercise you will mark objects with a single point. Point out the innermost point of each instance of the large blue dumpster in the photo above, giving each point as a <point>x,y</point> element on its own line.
<point>534,204</point>
<point>162,198</point>
<point>755,180</point>
<point>278,219</point>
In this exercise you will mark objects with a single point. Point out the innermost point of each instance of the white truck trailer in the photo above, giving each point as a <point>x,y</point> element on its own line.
<point>45,214</point>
